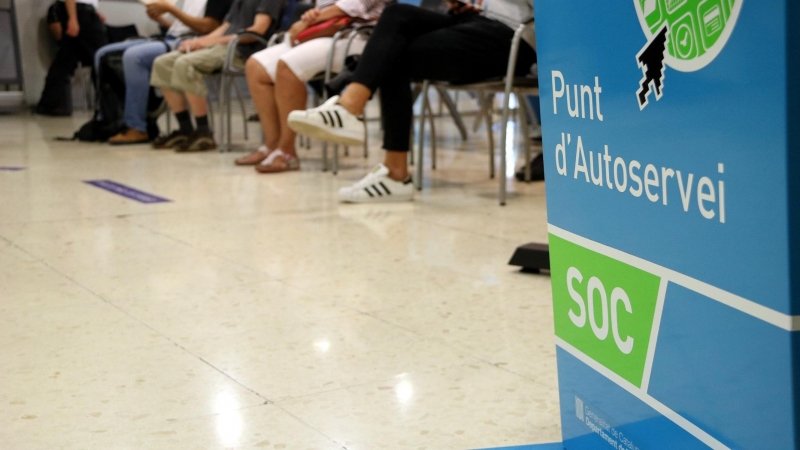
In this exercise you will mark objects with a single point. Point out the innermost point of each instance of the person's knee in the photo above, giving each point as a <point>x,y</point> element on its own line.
<point>161,63</point>
<point>255,72</point>
<point>285,73</point>
<point>130,57</point>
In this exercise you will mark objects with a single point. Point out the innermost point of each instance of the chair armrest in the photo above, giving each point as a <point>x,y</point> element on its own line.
<point>512,57</point>
<point>336,38</point>
<point>364,30</point>
<point>235,42</point>
<point>276,38</point>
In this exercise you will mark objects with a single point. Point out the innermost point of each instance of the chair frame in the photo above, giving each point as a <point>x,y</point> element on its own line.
<point>228,75</point>
<point>354,32</point>
<point>519,86</point>
<point>229,71</point>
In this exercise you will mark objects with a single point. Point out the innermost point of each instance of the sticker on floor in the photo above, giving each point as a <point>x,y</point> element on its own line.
<point>127,191</point>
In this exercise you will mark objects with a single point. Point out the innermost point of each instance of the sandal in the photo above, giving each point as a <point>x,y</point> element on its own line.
<point>277,161</point>
<point>253,158</point>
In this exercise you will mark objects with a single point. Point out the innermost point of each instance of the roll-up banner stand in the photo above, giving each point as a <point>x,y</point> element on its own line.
<point>673,184</point>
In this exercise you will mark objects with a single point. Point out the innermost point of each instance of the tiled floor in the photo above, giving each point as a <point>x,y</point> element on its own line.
<point>253,311</point>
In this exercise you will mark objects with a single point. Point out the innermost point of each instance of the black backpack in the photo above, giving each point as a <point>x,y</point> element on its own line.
<point>108,119</point>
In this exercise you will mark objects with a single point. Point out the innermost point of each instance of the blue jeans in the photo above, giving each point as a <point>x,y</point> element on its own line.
<point>137,62</point>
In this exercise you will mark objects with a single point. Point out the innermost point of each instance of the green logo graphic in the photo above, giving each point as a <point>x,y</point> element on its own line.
<point>698,29</point>
<point>603,307</point>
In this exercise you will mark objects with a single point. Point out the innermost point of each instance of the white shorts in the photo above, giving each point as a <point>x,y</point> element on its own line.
<point>308,59</point>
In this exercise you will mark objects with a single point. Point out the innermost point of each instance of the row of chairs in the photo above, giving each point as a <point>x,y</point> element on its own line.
<point>521,87</point>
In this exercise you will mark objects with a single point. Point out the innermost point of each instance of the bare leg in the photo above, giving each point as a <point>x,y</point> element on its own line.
<point>355,98</point>
<point>262,90</point>
<point>291,96</point>
<point>198,104</point>
<point>175,100</point>
<point>397,163</point>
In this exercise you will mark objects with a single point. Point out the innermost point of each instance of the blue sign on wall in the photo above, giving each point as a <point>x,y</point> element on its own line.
<point>671,165</point>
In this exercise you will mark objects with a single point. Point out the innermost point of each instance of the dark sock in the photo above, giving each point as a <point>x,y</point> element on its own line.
<point>202,124</point>
<point>184,122</point>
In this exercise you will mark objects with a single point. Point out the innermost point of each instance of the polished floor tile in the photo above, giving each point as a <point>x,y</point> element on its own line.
<point>303,359</point>
<point>257,312</point>
<point>467,406</point>
<point>70,402</point>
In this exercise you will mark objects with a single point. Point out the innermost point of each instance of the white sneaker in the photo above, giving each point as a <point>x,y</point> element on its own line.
<point>328,122</point>
<point>378,187</point>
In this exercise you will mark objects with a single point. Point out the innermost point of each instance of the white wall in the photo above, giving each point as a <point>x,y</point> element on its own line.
<point>37,46</point>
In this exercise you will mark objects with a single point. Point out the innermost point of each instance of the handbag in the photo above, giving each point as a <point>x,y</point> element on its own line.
<point>323,29</point>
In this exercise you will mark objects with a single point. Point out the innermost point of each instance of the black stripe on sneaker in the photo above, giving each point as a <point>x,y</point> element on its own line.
<point>330,116</point>
<point>377,190</point>
<point>324,119</point>
<point>339,118</point>
<point>368,192</point>
<point>388,192</point>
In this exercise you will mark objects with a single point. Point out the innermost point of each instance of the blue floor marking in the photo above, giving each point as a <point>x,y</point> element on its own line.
<point>11,168</point>
<point>126,191</point>
<point>553,446</point>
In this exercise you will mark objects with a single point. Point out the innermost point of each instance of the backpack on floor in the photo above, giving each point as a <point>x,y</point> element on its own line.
<point>108,118</point>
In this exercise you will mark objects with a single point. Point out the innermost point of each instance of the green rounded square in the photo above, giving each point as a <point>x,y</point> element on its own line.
<point>641,289</point>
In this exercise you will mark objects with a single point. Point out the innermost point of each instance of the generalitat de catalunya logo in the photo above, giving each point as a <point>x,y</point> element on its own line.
<point>683,34</point>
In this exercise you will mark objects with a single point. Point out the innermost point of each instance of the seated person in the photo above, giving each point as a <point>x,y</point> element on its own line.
<point>277,76</point>
<point>408,44</point>
<point>181,74</point>
<point>81,31</point>
<point>56,15</point>
<point>194,17</point>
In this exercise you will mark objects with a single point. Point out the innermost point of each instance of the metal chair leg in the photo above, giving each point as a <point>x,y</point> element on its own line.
<point>366,137</point>
<point>503,136</point>
<point>432,122</point>
<point>415,90</point>
<point>509,82</point>
<point>421,137</point>
<point>335,159</point>
<point>411,140</point>
<point>228,111</point>
<point>453,108</point>
<point>486,112</point>
<point>212,87</point>
<point>529,110</point>
<point>211,119</point>
<point>244,110</point>
<point>482,105</point>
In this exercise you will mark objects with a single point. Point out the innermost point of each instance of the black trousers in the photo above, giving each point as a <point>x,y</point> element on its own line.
<point>57,95</point>
<point>410,43</point>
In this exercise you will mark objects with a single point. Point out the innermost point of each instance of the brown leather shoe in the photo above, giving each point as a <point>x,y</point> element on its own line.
<point>129,136</point>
